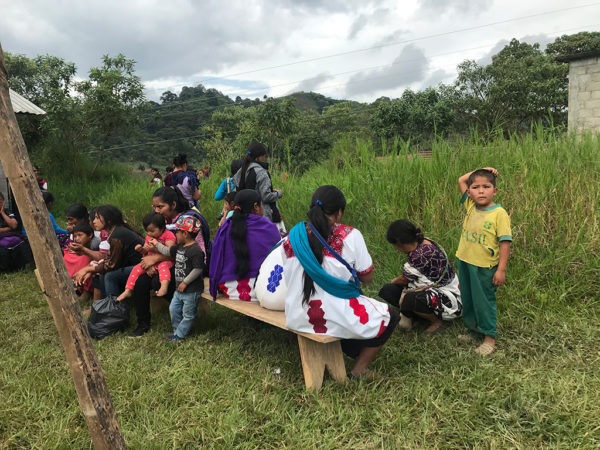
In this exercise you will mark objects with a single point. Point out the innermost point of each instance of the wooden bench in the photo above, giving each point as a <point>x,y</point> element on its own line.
<point>317,352</point>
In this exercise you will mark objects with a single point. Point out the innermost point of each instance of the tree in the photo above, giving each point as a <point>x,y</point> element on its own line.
<point>574,44</point>
<point>113,100</point>
<point>277,118</point>
<point>521,86</point>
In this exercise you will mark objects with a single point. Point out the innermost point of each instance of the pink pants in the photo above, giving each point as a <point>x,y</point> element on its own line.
<point>164,273</point>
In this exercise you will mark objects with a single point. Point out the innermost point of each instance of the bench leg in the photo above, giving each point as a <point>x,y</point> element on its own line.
<point>316,356</point>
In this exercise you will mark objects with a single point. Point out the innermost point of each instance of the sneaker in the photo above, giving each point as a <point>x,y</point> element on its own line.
<point>176,339</point>
<point>139,331</point>
<point>168,335</point>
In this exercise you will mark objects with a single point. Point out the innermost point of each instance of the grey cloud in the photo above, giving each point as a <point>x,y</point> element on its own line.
<point>393,37</point>
<point>455,6</point>
<point>541,39</point>
<point>437,77</point>
<point>357,25</point>
<point>177,38</point>
<point>375,18</point>
<point>311,83</point>
<point>408,67</point>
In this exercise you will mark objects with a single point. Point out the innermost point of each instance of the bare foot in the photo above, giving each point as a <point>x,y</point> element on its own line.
<point>162,291</point>
<point>435,325</point>
<point>367,374</point>
<point>126,293</point>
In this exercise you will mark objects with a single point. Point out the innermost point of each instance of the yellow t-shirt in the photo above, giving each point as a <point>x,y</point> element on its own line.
<point>483,230</point>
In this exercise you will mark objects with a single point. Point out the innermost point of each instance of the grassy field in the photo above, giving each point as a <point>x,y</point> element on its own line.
<point>220,388</point>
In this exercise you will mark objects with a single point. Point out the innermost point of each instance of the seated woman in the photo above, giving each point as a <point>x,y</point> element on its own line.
<point>428,286</point>
<point>323,282</point>
<point>169,203</point>
<point>10,236</point>
<point>121,256</point>
<point>241,245</point>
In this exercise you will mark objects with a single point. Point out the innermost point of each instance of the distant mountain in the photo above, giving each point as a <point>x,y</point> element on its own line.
<point>312,101</point>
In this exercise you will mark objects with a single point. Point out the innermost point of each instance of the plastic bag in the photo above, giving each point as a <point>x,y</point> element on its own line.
<point>108,316</point>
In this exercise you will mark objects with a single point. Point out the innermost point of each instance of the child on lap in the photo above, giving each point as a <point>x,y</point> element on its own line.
<point>83,234</point>
<point>482,255</point>
<point>156,228</point>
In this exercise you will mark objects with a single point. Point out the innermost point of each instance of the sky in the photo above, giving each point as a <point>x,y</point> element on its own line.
<point>350,49</point>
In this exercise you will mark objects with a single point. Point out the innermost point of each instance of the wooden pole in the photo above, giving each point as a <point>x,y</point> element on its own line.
<point>94,397</point>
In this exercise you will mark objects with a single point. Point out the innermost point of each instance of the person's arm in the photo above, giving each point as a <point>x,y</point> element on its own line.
<point>462,181</point>
<point>10,221</point>
<point>57,229</point>
<point>401,280</point>
<point>366,277</point>
<point>264,188</point>
<point>500,275</point>
<point>222,191</point>
<point>162,249</point>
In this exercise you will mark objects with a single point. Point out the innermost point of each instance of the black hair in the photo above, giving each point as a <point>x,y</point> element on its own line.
<point>112,217</point>
<point>404,232</point>
<point>83,227</point>
<point>92,213</point>
<point>326,200</point>
<point>48,198</point>
<point>154,218</point>
<point>168,169</point>
<point>236,165</point>
<point>244,205</point>
<point>230,197</point>
<point>172,195</point>
<point>255,150</point>
<point>180,160</point>
<point>77,211</point>
<point>481,173</point>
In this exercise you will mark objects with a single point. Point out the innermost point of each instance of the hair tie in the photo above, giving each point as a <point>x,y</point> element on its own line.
<point>250,153</point>
<point>237,207</point>
<point>318,202</point>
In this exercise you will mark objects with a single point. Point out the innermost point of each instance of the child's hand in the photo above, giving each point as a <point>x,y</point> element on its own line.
<point>491,169</point>
<point>139,248</point>
<point>152,242</point>
<point>182,287</point>
<point>70,228</point>
<point>499,278</point>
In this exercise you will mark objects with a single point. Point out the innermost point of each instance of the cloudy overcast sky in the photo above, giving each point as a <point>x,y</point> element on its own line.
<point>353,49</point>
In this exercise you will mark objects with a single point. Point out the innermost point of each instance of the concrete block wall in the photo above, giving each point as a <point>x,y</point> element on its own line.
<point>584,95</point>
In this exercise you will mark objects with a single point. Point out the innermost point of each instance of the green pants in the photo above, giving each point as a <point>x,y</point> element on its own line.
<point>478,295</point>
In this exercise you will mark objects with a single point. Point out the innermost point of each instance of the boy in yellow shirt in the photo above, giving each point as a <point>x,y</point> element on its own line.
<point>482,256</point>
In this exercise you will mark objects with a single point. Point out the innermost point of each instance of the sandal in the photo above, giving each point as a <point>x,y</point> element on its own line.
<point>485,349</point>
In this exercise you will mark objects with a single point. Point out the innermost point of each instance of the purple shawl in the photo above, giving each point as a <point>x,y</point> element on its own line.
<point>262,235</point>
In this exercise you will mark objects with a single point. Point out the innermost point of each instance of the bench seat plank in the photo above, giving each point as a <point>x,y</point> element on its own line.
<point>277,318</point>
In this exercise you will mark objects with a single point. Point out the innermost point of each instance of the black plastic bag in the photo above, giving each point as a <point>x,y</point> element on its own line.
<point>108,316</point>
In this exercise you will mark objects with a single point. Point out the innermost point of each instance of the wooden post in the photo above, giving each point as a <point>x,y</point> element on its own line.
<point>94,397</point>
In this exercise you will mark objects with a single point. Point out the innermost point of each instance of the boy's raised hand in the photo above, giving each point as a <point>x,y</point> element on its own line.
<point>491,169</point>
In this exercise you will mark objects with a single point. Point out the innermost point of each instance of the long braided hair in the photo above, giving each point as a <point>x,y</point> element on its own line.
<point>326,201</point>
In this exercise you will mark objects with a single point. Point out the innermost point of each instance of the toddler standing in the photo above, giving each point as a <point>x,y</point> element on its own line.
<point>482,256</point>
<point>189,266</point>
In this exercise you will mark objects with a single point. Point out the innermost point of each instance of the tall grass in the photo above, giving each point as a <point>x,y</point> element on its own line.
<point>220,388</point>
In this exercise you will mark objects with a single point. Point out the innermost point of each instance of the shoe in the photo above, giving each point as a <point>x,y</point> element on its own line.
<point>139,331</point>
<point>168,335</point>
<point>485,349</point>
<point>176,339</point>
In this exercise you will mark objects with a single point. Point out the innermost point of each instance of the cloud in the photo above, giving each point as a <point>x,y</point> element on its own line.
<point>311,83</point>
<point>542,39</point>
<point>408,67</point>
<point>428,7</point>
<point>392,37</point>
<point>375,18</point>
<point>437,77</point>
